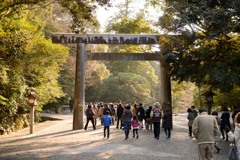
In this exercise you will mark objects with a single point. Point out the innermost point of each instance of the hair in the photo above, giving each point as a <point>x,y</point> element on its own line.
<point>128,107</point>
<point>156,104</point>
<point>215,113</point>
<point>237,119</point>
<point>107,113</point>
<point>89,106</point>
<point>134,117</point>
<point>189,110</point>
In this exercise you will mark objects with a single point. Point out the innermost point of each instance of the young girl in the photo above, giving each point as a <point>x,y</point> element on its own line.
<point>135,126</point>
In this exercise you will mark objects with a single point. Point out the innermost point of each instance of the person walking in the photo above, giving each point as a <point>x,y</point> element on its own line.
<point>205,128</point>
<point>112,111</point>
<point>89,114</point>
<point>140,115</point>
<point>100,112</point>
<point>190,118</point>
<point>119,115</point>
<point>195,113</point>
<point>225,121</point>
<point>156,118</point>
<point>71,105</point>
<point>235,136</point>
<point>95,114</point>
<point>106,121</point>
<point>167,123</point>
<point>218,136</point>
<point>148,118</point>
<point>135,126</point>
<point>127,117</point>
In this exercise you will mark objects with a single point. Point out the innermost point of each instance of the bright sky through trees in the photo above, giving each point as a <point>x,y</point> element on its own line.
<point>104,14</point>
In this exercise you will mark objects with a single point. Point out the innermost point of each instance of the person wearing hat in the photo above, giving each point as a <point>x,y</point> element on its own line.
<point>204,129</point>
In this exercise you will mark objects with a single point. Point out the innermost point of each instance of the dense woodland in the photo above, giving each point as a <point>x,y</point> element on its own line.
<point>205,54</point>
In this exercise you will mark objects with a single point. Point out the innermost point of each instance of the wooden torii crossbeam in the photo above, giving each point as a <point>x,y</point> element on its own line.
<point>106,38</point>
<point>82,39</point>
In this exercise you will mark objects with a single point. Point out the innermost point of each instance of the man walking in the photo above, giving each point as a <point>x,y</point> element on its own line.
<point>205,128</point>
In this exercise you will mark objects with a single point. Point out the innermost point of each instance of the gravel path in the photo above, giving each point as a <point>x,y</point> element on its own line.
<point>55,140</point>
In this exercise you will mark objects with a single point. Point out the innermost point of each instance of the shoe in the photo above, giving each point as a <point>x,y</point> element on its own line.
<point>107,137</point>
<point>157,137</point>
<point>137,137</point>
<point>218,150</point>
<point>133,136</point>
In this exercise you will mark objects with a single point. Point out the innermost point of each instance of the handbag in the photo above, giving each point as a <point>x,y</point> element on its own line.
<point>233,152</point>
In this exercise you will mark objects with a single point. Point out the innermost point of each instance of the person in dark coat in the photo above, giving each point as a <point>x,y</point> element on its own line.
<point>225,121</point>
<point>127,116</point>
<point>167,123</point>
<point>148,120</point>
<point>140,115</point>
<point>119,115</point>
<point>89,114</point>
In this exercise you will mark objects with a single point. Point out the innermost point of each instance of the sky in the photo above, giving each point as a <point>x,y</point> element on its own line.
<point>104,14</point>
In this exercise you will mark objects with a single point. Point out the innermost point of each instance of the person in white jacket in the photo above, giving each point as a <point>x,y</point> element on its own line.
<point>236,134</point>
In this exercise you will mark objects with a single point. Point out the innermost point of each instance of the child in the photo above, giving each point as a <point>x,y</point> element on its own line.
<point>106,120</point>
<point>135,126</point>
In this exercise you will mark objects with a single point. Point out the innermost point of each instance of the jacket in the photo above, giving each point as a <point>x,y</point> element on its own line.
<point>205,128</point>
<point>134,123</point>
<point>127,115</point>
<point>167,120</point>
<point>235,135</point>
<point>190,118</point>
<point>106,120</point>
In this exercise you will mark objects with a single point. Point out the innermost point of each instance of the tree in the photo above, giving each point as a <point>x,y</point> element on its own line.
<point>207,51</point>
<point>81,11</point>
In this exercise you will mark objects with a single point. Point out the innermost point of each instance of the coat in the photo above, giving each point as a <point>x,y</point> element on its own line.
<point>167,120</point>
<point>205,128</point>
<point>236,136</point>
<point>190,118</point>
<point>225,120</point>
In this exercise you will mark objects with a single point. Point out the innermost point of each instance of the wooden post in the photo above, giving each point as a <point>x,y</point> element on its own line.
<point>79,90</point>
<point>31,118</point>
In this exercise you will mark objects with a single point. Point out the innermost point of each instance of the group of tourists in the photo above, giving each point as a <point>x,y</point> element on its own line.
<point>207,129</point>
<point>128,116</point>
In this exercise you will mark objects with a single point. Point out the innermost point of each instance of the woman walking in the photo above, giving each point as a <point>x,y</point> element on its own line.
<point>127,117</point>
<point>225,121</point>
<point>167,123</point>
<point>190,118</point>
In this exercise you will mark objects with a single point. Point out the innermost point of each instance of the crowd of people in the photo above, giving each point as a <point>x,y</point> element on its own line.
<point>203,127</point>
<point>207,129</point>
<point>129,117</point>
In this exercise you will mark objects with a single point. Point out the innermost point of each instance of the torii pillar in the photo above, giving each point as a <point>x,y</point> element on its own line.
<point>165,86</point>
<point>79,90</point>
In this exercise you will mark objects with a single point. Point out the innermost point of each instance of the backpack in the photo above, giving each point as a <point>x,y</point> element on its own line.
<point>89,112</point>
<point>157,113</point>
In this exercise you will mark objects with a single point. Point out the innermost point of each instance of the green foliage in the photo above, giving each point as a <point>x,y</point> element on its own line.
<point>207,51</point>
<point>126,87</point>
<point>28,60</point>
<point>81,11</point>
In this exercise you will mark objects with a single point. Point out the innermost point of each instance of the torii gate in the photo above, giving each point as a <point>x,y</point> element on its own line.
<point>83,39</point>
